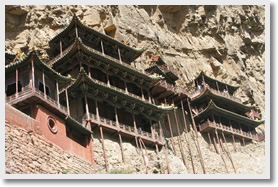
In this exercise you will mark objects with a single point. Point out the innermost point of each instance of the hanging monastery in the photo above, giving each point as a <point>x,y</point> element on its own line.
<point>90,86</point>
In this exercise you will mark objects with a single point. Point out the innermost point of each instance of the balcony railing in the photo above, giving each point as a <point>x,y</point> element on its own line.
<point>216,92</point>
<point>122,126</point>
<point>250,135</point>
<point>29,90</point>
<point>121,90</point>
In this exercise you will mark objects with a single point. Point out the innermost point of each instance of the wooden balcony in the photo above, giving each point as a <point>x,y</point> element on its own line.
<point>127,131</point>
<point>199,92</point>
<point>208,126</point>
<point>29,92</point>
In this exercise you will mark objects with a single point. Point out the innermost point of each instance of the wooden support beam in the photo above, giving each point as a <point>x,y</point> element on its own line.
<point>233,137</point>
<point>61,48</point>
<point>222,156</point>
<point>217,86</point>
<point>142,92</point>
<point>171,132</point>
<point>103,148</point>
<point>209,140</point>
<point>97,112</point>
<point>243,141</point>
<point>16,83</point>
<point>76,31</point>
<point>215,145</point>
<point>144,157</point>
<point>67,101</point>
<point>43,82</point>
<point>167,161</point>
<point>149,94</point>
<point>187,139</point>
<point>136,142</point>
<point>57,93</point>
<point>180,141</point>
<point>92,152</point>
<point>121,145</point>
<point>119,52</point>
<point>116,116</point>
<point>220,153</point>
<point>108,81</point>
<point>102,48</point>
<point>228,153</point>
<point>126,91</point>
<point>87,107</point>
<point>33,72</point>
<point>197,138</point>
<point>156,149</point>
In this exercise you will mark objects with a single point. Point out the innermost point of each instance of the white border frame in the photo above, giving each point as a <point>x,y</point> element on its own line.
<point>266,175</point>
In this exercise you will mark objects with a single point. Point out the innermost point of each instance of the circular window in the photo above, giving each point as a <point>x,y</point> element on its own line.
<point>51,123</point>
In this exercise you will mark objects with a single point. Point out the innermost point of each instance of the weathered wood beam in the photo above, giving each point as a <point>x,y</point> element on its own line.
<point>167,161</point>
<point>187,139</point>
<point>103,148</point>
<point>121,145</point>
<point>197,138</point>
<point>180,141</point>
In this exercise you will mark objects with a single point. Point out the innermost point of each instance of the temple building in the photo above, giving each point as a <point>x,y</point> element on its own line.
<point>217,110</point>
<point>89,85</point>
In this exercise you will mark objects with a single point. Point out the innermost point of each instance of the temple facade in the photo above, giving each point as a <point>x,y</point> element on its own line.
<point>90,85</point>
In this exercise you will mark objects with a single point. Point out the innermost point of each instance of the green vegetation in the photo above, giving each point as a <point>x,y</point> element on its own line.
<point>65,171</point>
<point>122,171</point>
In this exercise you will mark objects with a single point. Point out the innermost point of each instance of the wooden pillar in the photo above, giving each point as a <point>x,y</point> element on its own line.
<point>57,93</point>
<point>209,140</point>
<point>203,78</point>
<point>76,31</point>
<point>119,52</point>
<point>67,101</point>
<point>87,107</point>
<point>97,112</point>
<point>187,139</point>
<point>144,156</point>
<point>197,138</point>
<point>150,100</point>
<point>171,132</point>
<point>167,161</point>
<point>16,83</point>
<point>233,137</point>
<point>116,116</point>
<point>103,148</point>
<point>217,86</point>
<point>228,152</point>
<point>180,141</point>
<point>243,141</point>
<point>43,81</point>
<point>61,48</point>
<point>33,73</point>
<point>102,48</point>
<point>107,77</point>
<point>240,129</point>
<point>134,123</point>
<point>121,145</point>
<point>160,131</point>
<point>126,91</point>
<point>92,152</point>
<point>142,92</point>
<point>152,129</point>
<point>89,71</point>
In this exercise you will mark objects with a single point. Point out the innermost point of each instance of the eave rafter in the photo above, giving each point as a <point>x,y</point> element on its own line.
<point>92,88</point>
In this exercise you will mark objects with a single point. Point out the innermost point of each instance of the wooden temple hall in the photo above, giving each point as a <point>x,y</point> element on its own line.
<point>89,86</point>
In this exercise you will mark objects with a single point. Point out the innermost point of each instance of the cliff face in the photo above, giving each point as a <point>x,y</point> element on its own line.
<point>227,42</point>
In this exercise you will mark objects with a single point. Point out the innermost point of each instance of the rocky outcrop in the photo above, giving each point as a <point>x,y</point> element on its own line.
<point>226,42</point>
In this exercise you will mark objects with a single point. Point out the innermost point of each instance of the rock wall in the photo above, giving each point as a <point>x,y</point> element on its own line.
<point>27,152</point>
<point>227,42</point>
